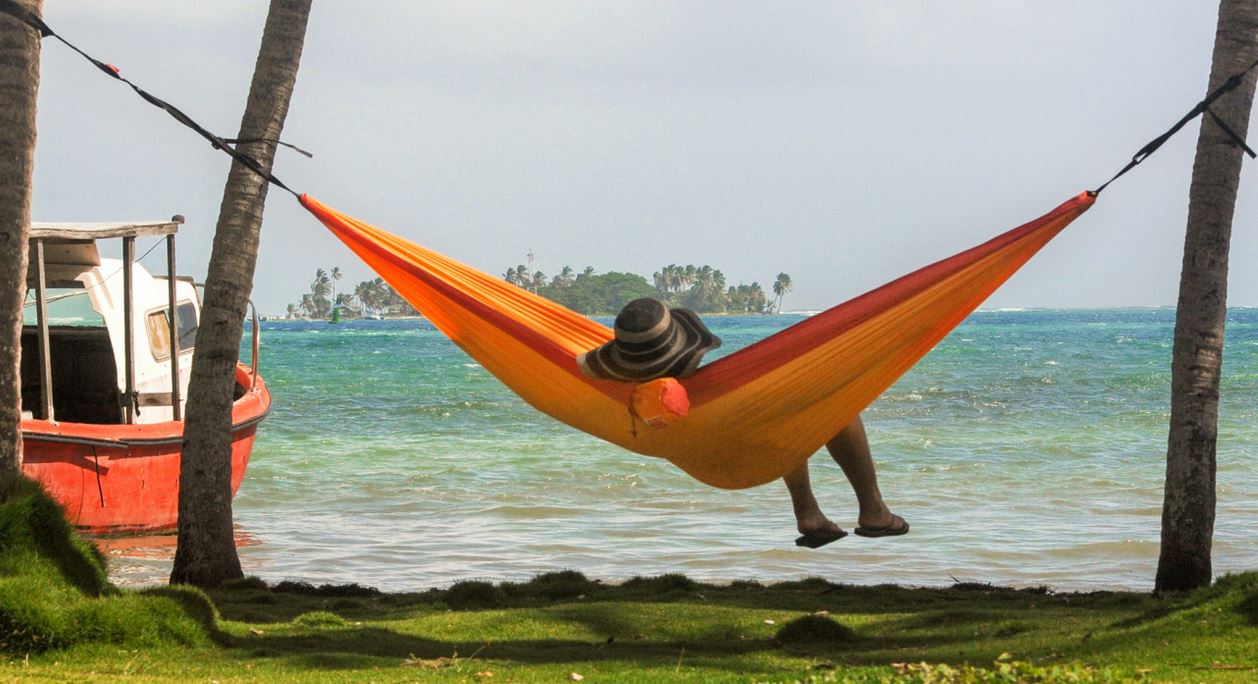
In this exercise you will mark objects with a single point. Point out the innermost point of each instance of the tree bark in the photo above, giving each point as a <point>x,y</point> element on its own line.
<point>1188,507</point>
<point>19,85</point>
<point>206,551</point>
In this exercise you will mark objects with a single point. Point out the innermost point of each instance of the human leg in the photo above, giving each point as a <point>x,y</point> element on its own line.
<point>850,449</point>
<point>815,527</point>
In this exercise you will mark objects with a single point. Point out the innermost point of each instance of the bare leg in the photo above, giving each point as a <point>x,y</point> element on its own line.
<point>808,516</point>
<point>850,450</point>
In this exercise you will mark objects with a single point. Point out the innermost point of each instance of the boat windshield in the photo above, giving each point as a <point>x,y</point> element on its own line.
<point>67,306</point>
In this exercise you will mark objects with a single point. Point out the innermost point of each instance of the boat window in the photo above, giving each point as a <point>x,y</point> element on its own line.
<point>67,306</point>
<point>158,325</point>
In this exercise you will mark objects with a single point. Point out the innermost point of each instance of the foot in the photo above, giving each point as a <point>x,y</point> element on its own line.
<point>893,526</point>
<point>877,516</point>
<point>815,532</point>
<point>818,525</point>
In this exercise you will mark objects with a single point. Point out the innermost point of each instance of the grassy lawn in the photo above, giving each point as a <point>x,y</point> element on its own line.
<point>60,622</point>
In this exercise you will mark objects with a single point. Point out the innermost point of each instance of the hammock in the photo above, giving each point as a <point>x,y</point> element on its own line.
<point>756,414</point>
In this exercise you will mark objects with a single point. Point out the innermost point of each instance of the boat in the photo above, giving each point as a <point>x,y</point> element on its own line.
<point>107,352</point>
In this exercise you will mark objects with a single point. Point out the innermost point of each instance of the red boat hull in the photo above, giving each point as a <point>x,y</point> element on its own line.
<point>125,478</point>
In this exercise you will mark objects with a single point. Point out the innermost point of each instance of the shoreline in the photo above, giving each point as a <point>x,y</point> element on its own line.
<point>157,551</point>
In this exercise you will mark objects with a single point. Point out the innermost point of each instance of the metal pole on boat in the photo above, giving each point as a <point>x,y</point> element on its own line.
<point>176,410</point>
<point>128,326</point>
<point>45,356</point>
<point>257,343</point>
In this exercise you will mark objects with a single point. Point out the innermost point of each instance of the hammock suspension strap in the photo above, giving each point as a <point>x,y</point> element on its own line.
<point>225,144</point>
<point>1202,107</point>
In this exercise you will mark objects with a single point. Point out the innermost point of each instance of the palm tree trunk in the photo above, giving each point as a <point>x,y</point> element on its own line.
<point>19,84</point>
<point>1188,507</point>
<point>206,551</point>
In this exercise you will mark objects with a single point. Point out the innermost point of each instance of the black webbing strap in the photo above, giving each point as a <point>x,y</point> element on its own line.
<point>25,16</point>
<point>273,141</point>
<point>1202,107</point>
<point>1232,134</point>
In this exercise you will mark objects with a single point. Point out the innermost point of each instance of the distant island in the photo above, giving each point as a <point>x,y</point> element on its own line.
<point>368,299</point>
<point>700,288</point>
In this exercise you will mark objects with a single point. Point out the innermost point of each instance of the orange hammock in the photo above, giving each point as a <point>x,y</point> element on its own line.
<point>756,414</point>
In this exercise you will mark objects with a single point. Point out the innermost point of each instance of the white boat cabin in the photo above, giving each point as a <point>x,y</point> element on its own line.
<point>96,336</point>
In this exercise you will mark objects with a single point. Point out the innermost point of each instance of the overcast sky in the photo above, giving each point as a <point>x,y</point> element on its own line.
<point>843,143</point>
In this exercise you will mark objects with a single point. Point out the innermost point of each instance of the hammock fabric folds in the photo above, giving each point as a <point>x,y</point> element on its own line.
<point>756,414</point>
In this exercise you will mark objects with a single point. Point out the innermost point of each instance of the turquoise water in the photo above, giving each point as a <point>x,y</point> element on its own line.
<point>1027,449</point>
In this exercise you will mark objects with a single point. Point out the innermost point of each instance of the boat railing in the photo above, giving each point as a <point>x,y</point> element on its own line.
<point>257,345</point>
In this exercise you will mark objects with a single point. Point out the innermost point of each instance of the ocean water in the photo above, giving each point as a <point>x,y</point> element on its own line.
<point>1027,449</point>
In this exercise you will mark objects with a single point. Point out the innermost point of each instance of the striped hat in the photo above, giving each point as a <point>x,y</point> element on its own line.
<point>652,341</point>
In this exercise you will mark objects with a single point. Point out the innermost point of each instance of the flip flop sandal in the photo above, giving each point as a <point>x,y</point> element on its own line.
<point>892,530</point>
<point>816,541</point>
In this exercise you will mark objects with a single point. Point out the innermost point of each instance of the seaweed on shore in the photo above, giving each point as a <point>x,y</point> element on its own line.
<point>325,590</point>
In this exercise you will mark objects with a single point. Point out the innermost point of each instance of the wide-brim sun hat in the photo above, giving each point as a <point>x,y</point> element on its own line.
<point>652,341</point>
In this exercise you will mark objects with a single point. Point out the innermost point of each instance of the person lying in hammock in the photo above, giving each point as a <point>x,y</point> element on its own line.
<point>653,341</point>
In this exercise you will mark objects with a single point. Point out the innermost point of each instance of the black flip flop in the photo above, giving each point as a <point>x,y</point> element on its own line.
<point>816,541</point>
<point>891,530</point>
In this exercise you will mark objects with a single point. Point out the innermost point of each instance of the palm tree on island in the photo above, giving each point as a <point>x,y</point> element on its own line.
<point>365,293</point>
<point>335,275</point>
<point>320,293</point>
<point>780,287</point>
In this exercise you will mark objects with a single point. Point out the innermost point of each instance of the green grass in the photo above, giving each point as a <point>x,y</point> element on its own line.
<point>54,593</point>
<point>64,623</point>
